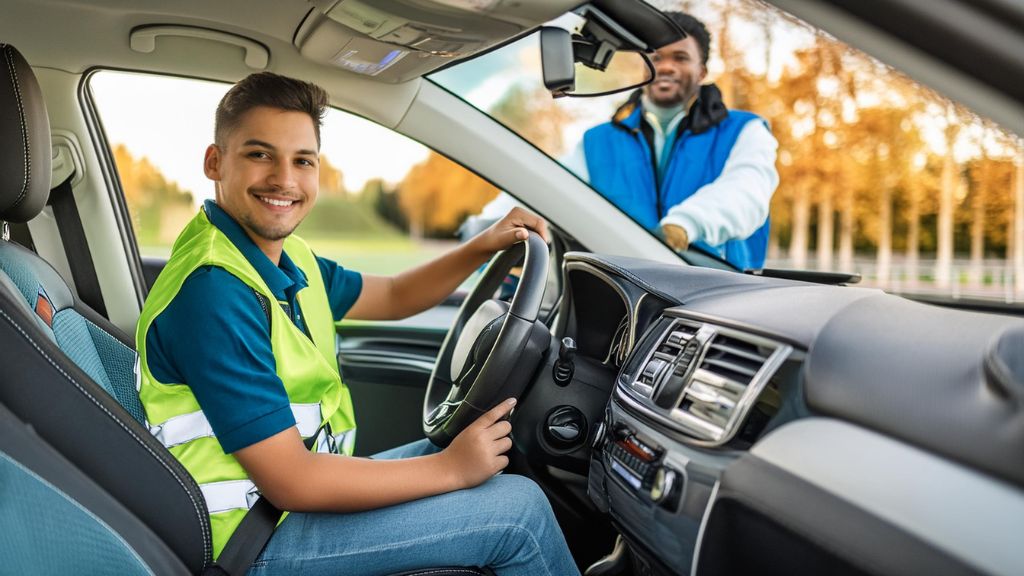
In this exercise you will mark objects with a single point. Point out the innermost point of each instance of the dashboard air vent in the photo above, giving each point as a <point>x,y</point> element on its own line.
<point>702,378</point>
<point>711,399</point>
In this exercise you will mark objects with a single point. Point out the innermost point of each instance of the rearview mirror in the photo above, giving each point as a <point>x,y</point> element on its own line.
<point>556,60</point>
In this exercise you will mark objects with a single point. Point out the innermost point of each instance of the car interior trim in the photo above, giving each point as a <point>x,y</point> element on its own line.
<point>708,332</point>
<point>703,526</point>
<point>601,275</point>
<point>786,525</point>
<point>907,487</point>
<point>393,360</point>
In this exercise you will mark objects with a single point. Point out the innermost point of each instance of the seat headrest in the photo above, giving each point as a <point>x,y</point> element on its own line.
<point>24,140</point>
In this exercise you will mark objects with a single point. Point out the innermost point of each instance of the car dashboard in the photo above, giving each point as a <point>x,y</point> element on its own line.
<point>726,418</point>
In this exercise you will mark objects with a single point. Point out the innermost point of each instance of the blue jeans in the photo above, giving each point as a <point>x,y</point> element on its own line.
<point>505,524</point>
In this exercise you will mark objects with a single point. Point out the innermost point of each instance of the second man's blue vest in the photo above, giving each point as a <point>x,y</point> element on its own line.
<point>621,167</point>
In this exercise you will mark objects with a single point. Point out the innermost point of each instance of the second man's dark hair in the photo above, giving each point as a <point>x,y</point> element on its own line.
<point>695,28</point>
<point>273,91</point>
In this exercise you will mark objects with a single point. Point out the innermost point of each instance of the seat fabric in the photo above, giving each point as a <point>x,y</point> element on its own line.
<point>110,362</point>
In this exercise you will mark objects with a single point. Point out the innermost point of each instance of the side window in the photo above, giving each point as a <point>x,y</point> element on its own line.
<point>385,203</point>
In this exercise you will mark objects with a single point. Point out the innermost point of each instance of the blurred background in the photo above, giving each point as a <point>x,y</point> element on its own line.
<point>878,175</point>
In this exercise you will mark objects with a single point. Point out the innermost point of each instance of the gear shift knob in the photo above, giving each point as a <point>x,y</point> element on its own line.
<point>567,350</point>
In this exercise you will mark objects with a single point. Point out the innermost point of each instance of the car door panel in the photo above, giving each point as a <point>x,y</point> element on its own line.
<point>387,366</point>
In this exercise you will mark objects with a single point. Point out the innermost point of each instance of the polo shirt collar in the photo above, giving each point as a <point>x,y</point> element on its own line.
<point>284,280</point>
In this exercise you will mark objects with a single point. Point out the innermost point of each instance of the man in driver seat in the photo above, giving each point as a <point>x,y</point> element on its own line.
<point>237,349</point>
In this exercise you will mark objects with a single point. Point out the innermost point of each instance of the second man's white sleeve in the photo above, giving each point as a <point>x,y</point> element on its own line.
<point>736,203</point>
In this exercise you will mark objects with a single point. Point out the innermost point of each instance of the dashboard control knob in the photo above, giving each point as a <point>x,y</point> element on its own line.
<point>565,427</point>
<point>564,367</point>
<point>663,485</point>
<point>567,350</point>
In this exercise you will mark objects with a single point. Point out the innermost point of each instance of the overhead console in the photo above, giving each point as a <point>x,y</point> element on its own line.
<point>397,40</point>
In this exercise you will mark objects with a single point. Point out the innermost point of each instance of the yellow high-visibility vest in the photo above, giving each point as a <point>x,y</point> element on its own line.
<point>309,370</point>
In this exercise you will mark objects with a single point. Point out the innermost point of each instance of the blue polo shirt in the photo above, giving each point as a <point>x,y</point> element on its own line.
<point>214,336</point>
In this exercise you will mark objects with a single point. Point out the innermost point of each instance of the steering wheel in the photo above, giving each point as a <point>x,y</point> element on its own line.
<point>492,348</point>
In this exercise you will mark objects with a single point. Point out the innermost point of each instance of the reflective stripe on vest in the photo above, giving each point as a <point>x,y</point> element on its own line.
<point>194,425</point>
<point>229,495</point>
<point>340,443</point>
<point>235,494</point>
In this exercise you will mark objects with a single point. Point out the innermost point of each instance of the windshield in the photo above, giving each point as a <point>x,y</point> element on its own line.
<point>827,159</point>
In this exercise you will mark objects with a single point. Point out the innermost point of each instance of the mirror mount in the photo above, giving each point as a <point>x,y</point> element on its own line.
<point>594,43</point>
<point>600,37</point>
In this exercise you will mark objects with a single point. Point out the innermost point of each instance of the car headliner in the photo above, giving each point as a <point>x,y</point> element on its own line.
<point>971,51</point>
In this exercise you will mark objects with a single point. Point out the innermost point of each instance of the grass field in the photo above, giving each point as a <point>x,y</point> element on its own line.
<point>379,256</point>
<point>387,255</point>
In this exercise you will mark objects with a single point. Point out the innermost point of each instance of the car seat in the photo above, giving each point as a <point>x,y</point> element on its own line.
<point>84,486</point>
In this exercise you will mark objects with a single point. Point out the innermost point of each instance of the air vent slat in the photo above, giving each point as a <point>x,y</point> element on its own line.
<point>711,395</point>
<point>727,349</point>
<point>715,417</point>
<point>732,367</point>
<point>719,381</point>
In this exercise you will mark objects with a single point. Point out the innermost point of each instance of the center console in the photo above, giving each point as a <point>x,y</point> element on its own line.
<point>690,398</point>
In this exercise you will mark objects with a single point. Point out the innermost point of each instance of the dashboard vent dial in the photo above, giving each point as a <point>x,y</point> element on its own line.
<point>663,361</point>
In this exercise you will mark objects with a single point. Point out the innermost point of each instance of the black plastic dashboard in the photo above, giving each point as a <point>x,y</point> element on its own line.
<point>708,363</point>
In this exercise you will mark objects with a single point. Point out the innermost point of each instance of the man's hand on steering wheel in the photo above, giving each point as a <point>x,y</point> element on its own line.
<point>514,227</point>
<point>478,452</point>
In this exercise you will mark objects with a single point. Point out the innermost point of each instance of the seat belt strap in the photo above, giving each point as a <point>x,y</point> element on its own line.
<point>251,536</point>
<point>21,235</point>
<point>76,247</point>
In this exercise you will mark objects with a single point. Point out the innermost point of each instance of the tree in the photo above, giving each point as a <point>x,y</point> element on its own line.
<point>535,116</point>
<point>437,194</point>
<point>947,192</point>
<point>159,208</point>
<point>1018,222</point>
<point>332,182</point>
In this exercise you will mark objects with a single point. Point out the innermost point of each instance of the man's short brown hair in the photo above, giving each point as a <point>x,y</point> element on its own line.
<point>274,91</point>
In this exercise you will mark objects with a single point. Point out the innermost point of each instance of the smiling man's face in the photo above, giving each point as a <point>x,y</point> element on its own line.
<point>267,173</point>
<point>679,71</point>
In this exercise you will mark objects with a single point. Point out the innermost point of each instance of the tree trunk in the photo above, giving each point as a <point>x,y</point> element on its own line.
<point>884,260</point>
<point>976,271</point>
<point>826,229</point>
<point>725,81</point>
<point>801,226</point>
<point>944,258</point>
<point>1018,226</point>
<point>913,237</point>
<point>774,250</point>
<point>846,223</point>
